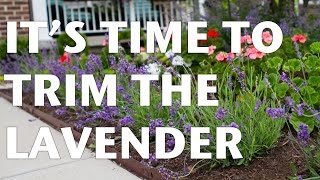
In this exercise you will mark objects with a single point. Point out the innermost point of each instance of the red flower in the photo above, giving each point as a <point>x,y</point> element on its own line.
<point>299,38</point>
<point>64,58</point>
<point>213,33</point>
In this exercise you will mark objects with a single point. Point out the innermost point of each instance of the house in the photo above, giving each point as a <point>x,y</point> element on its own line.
<point>92,12</point>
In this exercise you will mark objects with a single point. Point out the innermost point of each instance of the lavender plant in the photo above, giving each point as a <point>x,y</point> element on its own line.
<point>255,103</point>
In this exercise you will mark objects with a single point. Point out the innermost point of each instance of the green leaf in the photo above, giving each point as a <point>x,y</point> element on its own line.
<point>281,89</point>
<point>109,71</point>
<point>315,47</point>
<point>93,146</point>
<point>273,79</point>
<point>312,99</point>
<point>307,90</point>
<point>293,65</point>
<point>296,120</point>
<point>295,97</point>
<point>241,161</point>
<point>261,86</point>
<point>293,168</point>
<point>297,81</point>
<point>312,64</point>
<point>274,63</point>
<point>314,81</point>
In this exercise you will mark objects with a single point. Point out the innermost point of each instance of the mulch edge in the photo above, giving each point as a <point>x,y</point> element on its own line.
<point>131,165</point>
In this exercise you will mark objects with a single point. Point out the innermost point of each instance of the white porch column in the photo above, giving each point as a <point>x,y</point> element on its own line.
<point>39,12</point>
<point>201,7</point>
<point>132,13</point>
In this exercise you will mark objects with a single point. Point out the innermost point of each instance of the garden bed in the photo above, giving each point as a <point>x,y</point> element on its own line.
<point>276,164</point>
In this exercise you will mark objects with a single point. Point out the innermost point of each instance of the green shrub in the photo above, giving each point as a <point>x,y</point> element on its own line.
<point>64,40</point>
<point>126,34</point>
<point>22,45</point>
<point>3,49</point>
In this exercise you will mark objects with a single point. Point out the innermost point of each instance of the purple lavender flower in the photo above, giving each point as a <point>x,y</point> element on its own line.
<point>303,134</point>
<point>113,62</point>
<point>187,128</point>
<point>153,161</point>
<point>62,111</point>
<point>286,29</point>
<point>181,121</point>
<point>289,116</point>
<point>78,85</point>
<point>210,137</point>
<point>159,106</point>
<point>82,123</point>
<point>283,77</point>
<point>241,79</point>
<point>170,141</point>
<point>275,113</point>
<point>316,114</point>
<point>221,114</point>
<point>127,121</point>
<point>234,125</point>
<point>98,84</point>
<point>175,108</point>
<point>94,59</point>
<point>258,103</point>
<point>299,109</point>
<point>107,114</point>
<point>297,48</point>
<point>127,98</point>
<point>170,123</point>
<point>153,124</point>
<point>172,111</point>
<point>289,103</point>
<point>168,174</point>
<point>120,88</point>
<point>229,58</point>
<point>242,74</point>
<point>230,84</point>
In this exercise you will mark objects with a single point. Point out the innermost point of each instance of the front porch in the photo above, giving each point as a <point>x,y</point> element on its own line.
<point>92,12</point>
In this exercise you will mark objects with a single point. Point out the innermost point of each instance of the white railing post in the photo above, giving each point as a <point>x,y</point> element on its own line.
<point>132,13</point>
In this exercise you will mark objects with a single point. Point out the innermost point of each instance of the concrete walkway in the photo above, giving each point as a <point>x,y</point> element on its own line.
<point>43,168</point>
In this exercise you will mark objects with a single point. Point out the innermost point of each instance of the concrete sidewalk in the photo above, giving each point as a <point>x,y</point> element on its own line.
<point>43,168</point>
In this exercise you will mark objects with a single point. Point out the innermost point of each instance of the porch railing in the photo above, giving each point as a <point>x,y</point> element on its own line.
<point>92,12</point>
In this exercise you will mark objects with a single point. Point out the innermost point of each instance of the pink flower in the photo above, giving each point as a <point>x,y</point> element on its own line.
<point>267,37</point>
<point>230,55</point>
<point>221,56</point>
<point>246,39</point>
<point>211,49</point>
<point>260,54</point>
<point>253,53</point>
<point>299,37</point>
<point>104,42</point>
<point>142,49</point>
